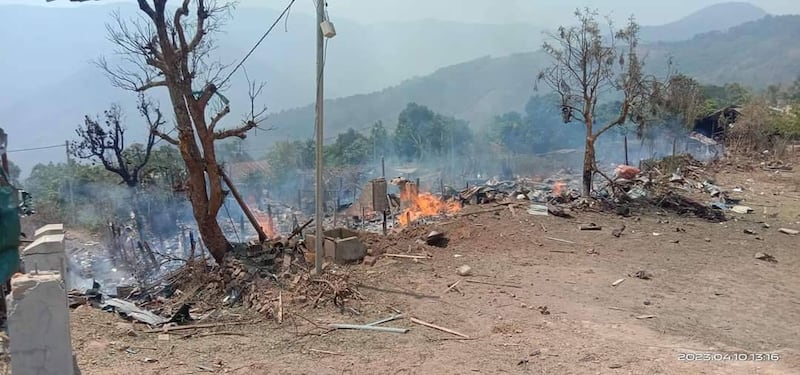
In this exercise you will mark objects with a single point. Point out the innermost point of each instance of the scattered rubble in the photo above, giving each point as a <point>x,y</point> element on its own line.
<point>791,232</point>
<point>543,310</point>
<point>464,270</point>
<point>436,238</point>
<point>676,183</point>
<point>776,165</point>
<point>369,260</point>
<point>765,257</point>
<point>741,209</point>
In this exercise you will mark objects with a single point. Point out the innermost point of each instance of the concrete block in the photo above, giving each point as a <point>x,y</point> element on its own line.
<point>340,244</point>
<point>38,325</point>
<point>46,253</point>
<point>49,229</point>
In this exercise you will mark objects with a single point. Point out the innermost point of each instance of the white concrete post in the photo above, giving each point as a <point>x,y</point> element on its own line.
<point>38,325</point>
<point>49,229</point>
<point>46,253</point>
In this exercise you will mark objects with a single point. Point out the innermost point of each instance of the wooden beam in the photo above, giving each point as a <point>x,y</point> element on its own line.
<point>262,236</point>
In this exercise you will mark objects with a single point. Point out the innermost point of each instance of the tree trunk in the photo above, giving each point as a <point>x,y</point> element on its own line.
<point>214,239</point>
<point>588,155</point>
<point>136,209</point>
<point>588,168</point>
<point>205,213</point>
<point>192,126</point>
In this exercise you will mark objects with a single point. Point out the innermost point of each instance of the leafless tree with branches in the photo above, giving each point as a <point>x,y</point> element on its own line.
<point>104,142</point>
<point>166,49</point>
<point>588,64</point>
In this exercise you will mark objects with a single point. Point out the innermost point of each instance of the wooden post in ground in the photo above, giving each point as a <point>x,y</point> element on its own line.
<point>335,217</point>
<point>625,138</point>
<point>300,200</point>
<point>270,222</point>
<point>674,144</point>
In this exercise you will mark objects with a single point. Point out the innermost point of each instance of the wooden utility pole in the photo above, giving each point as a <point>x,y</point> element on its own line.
<point>319,207</point>
<point>71,176</point>
<point>3,150</point>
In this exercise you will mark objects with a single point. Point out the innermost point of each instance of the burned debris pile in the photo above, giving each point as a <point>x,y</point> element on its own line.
<point>260,277</point>
<point>264,275</point>
<point>678,184</point>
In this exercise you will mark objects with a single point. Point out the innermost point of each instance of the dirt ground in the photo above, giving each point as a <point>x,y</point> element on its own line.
<point>552,310</point>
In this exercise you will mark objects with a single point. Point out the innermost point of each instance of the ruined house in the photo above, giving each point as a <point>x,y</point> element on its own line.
<point>716,124</point>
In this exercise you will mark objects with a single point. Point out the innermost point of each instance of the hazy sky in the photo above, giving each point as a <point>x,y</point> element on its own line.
<point>540,12</point>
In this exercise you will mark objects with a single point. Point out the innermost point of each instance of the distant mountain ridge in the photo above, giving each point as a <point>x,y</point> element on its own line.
<point>52,84</point>
<point>717,17</point>
<point>764,52</point>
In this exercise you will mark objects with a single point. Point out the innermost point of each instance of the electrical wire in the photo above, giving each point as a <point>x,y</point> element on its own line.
<point>36,148</point>
<point>239,65</point>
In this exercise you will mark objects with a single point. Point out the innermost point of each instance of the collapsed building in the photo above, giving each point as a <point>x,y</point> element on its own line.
<point>716,124</point>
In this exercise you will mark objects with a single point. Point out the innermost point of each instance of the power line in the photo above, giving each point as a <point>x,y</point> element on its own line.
<point>35,148</point>
<point>239,65</point>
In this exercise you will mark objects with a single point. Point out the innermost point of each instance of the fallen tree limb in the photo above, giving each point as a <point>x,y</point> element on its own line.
<point>493,284</point>
<point>300,229</point>
<point>407,256</point>
<point>389,319</point>
<point>434,326</point>
<point>206,334</point>
<point>560,240</point>
<point>324,352</point>
<point>369,328</point>
<point>197,326</point>
<point>449,288</point>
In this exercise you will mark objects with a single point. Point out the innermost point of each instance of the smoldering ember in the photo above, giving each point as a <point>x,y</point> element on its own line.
<point>592,198</point>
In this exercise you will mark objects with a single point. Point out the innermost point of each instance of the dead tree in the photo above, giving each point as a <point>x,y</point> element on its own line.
<point>104,142</point>
<point>166,49</point>
<point>588,64</point>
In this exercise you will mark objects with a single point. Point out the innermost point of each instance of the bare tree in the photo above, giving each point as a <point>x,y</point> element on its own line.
<point>170,51</point>
<point>105,143</point>
<point>588,64</point>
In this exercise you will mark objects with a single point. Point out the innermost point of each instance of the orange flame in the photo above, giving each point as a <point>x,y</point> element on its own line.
<point>266,223</point>
<point>419,205</point>
<point>558,188</point>
<point>264,220</point>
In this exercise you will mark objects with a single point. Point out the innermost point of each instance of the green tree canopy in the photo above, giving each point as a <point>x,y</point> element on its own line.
<point>421,132</point>
<point>350,148</point>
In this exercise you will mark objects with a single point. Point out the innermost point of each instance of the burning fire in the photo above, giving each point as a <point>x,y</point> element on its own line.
<point>266,223</point>
<point>419,205</point>
<point>264,220</point>
<point>558,188</point>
